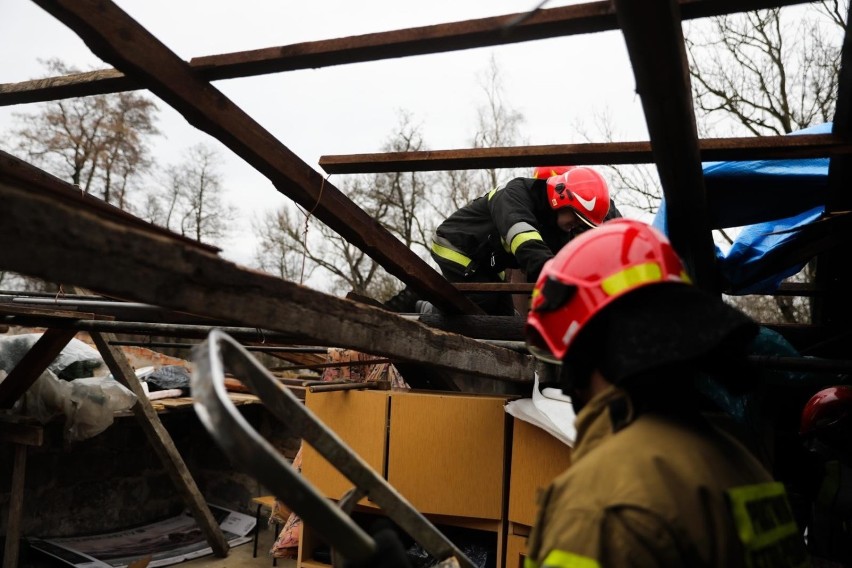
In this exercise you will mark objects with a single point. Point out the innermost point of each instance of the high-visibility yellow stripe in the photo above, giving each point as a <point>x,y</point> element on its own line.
<point>493,191</point>
<point>530,563</point>
<point>762,514</point>
<point>631,277</point>
<point>524,237</point>
<point>450,254</point>
<point>563,559</point>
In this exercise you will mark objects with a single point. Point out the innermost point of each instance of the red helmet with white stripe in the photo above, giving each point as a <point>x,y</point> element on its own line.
<point>544,172</point>
<point>582,189</point>
<point>591,271</point>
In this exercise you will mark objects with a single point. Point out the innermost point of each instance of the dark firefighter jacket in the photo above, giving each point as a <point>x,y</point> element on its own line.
<point>511,227</point>
<point>661,493</point>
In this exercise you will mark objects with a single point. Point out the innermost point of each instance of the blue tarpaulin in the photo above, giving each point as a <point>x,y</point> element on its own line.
<point>769,198</point>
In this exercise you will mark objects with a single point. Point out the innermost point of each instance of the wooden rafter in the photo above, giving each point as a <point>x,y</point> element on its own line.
<point>652,31</point>
<point>483,32</point>
<point>712,149</point>
<point>77,245</point>
<point>115,37</point>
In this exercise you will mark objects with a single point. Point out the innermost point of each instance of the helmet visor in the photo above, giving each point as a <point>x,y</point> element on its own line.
<point>538,348</point>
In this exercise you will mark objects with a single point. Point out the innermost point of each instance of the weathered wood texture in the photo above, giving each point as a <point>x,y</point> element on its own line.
<point>652,31</point>
<point>16,171</point>
<point>16,508</point>
<point>33,364</point>
<point>115,37</point>
<point>77,246</point>
<point>162,444</point>
<point>496,30</point>
<point>712,149</point>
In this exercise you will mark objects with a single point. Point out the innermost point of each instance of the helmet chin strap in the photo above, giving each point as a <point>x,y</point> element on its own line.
<point>574,379</point>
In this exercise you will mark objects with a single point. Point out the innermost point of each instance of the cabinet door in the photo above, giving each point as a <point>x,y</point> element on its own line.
<point>360,419</point>
<point>537,458</point>
<point>445,453</point>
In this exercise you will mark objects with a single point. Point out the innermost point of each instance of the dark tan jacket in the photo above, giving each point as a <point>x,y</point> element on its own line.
<point>661,492</point>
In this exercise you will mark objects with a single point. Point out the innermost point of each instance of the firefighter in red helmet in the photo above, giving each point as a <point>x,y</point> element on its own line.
<point>520,224</point>
<point>826,430</point>
<point>652,483</point>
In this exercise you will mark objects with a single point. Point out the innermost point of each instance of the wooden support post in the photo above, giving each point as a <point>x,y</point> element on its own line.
<point>16,508</point>
<point>21,436</point>
<point>162,443</point>
<point>28,369</point>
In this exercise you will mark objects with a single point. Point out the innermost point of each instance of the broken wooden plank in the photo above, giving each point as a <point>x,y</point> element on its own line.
<point>496,30</point>
<point>13,310</point>
<point>21,432</point>
<point>17,171</point>
<point>33,364</point>
<point>163,444</point>
<point>654,38</point>
<point>115,37</point>
<point>711,149</point>
<point>147,266</point>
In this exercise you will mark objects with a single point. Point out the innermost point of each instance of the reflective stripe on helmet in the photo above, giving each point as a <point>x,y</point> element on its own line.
<point>524,237</point>
<point>631,277</point>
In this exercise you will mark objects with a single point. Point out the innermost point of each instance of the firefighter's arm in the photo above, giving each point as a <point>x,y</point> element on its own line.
<point>601,539</point>
<point>512,210</point>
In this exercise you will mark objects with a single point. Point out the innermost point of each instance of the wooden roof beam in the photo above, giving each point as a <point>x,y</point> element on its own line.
<point>115,37</point>
<point>483,32</point>
<point>711,149</point>
<point>78,245</point>
<point>652,31</point>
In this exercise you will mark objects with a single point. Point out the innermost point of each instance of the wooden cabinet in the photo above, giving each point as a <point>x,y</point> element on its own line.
<point>458,458</point>
<point>446,453</point>
<point>537,458</point>
<point>360,418</point>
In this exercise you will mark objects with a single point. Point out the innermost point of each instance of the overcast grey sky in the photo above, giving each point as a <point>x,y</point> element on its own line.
<point>350,108</point>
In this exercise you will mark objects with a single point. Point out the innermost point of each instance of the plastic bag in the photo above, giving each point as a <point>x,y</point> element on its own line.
<point>94,402</point>
<point>76,359</point>
<point>88,404</point>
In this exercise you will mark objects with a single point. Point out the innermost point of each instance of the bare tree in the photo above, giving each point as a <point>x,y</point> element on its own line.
<point>279,252</point>
<point>397,200</point>
<point>99,143</point>
<point>191,201</point>
<point>498,125</point>
<point>770,71</point>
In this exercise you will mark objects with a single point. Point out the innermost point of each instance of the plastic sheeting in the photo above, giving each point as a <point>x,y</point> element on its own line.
<point>769,199</point>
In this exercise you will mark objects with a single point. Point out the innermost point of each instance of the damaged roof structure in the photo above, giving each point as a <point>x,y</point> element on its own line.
<point>62,236</point>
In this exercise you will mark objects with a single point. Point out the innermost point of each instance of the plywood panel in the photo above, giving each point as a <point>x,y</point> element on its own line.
<point>537,457</point>
<point>446,453</point>
<point>360,419</point>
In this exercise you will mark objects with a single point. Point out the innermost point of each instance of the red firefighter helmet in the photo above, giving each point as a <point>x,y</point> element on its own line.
<point>591,271</point>
<point>828,410</point>
<point>582,189</point>
<point>544,172</point>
